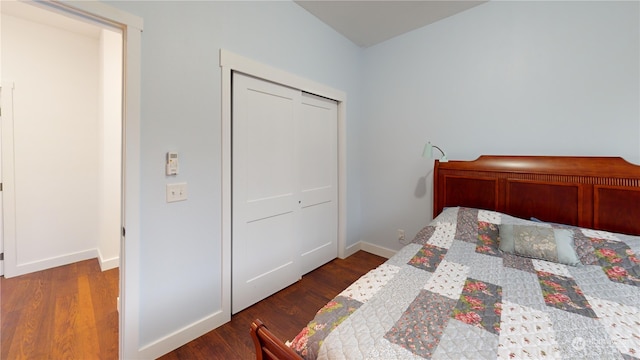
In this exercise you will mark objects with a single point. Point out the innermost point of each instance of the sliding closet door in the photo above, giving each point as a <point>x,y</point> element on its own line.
<point>318,131</point>
<point>265,184</point>
<point>285,171</point>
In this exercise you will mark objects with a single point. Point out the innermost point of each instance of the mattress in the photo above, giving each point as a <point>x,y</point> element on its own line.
<point>458,291</point>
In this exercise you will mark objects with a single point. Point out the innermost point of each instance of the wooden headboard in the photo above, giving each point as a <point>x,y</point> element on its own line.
<point>594,192</point>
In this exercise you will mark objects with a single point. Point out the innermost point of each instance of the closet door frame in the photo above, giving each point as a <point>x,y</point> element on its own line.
<point>230,62</point>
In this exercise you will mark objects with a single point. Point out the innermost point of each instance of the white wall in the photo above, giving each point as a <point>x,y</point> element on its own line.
<point>55,141</point>
<point>180,244</point>
<point>505,77</point>
<point>67,140</point>
<point>110,149</point>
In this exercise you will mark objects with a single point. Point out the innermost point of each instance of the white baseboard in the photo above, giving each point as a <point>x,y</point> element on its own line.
<point>108,264</point>
<point>49,263</point>
<point>370,248</point>
<point>350,250</point>
<point>180,337</point>
<point>377,249</point>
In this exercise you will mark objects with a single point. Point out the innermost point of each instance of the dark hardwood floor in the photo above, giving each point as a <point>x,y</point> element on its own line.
<point>284,313</point>
<point>69,312</point>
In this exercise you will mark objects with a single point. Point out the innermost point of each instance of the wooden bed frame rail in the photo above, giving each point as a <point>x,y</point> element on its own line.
<point>594,192</point>
<point>268,346</point>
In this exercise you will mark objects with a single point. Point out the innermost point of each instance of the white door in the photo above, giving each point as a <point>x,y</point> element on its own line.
<point>265,188</point>
<point>318,158</point>
<point>285,212</point>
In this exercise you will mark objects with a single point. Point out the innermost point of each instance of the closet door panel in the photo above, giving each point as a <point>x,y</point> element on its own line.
<point>318,164</point>
<point>272,254</point>
<point>265,190</point>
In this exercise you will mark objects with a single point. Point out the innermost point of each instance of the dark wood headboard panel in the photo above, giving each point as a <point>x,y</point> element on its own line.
<point>594,192</point>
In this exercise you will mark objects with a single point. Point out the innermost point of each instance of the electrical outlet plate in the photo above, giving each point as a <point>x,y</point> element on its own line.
<point>400,235</point>
<point>176,192</point>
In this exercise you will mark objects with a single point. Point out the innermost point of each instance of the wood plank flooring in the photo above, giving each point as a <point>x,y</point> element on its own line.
<point>70,312</point>
<point>284,313</point>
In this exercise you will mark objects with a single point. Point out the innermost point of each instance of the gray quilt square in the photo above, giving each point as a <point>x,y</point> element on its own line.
<point>462,341</point>
<point>404,255</point>
<point>423,236</point>
<point>467,225</point>
<point>486,268</point>
<point>581,337</point>
<point>632,241</point>
<point>460,252</point>
<point>593,281</point>
<point>428,258</point>
<point>395,296</point>
<point>420,327</point>
<point>518,262</point>
<point>482,267</point>
<point>522,288</point>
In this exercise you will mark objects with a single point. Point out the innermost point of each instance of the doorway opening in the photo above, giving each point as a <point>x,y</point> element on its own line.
<point>129,28</point>
<point>62,140</point>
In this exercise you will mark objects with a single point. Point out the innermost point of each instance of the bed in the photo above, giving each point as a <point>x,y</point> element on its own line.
<point>528,257</point>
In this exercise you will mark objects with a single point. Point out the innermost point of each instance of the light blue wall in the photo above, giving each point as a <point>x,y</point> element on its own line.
<point>505,77</point>
<point>180,281</point>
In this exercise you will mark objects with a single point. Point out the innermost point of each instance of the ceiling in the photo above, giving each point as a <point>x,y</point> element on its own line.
<point>39,15</point>
<point>369,22</point>
<point>364,22</point>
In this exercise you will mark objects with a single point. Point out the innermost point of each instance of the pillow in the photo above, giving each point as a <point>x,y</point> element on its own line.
<point>544,243</point>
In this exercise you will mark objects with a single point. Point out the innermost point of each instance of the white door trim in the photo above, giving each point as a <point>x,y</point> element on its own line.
<point>232,62</point>
<point>129,340</point>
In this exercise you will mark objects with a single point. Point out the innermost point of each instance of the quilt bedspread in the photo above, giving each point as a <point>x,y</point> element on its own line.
<point>453,294</point>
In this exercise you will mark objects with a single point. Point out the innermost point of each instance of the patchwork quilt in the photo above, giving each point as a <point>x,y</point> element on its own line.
<point>453,293</point>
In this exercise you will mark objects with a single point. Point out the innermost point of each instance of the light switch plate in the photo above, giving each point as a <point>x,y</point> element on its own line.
<point>176,192</point>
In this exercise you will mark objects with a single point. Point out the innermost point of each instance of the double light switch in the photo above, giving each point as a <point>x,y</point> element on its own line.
<point>176,192</point>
